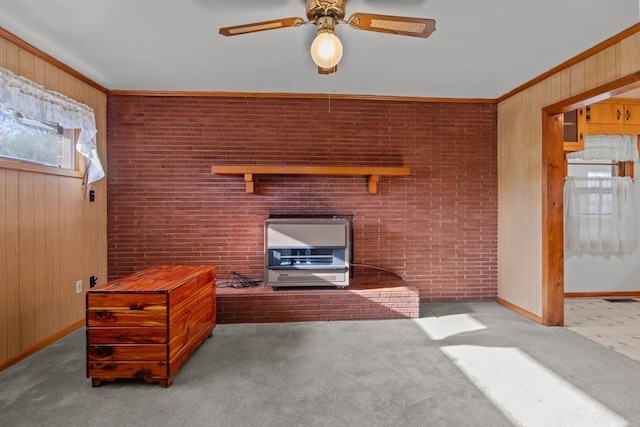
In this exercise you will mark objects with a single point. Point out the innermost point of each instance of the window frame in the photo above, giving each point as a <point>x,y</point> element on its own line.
<point>27,166</point>
<point>624,168</point>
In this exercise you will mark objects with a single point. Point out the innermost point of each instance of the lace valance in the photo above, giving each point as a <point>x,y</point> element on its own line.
<point>34,102</point>
<point>618,148</point>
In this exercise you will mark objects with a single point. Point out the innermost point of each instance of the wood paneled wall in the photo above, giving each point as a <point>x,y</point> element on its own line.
<point>521,166</point>
<point>50,234</point>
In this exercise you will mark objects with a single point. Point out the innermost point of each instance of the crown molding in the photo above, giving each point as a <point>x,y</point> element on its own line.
<point>212,94</point>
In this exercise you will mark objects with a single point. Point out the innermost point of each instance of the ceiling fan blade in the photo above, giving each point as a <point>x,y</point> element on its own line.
<point>401,25</point>
<point>261,26</point>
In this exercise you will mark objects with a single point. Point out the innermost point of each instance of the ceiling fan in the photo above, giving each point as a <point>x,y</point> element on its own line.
<point>326,49</point>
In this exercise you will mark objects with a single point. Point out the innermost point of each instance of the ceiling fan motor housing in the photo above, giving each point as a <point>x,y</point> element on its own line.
<point>319,8</point>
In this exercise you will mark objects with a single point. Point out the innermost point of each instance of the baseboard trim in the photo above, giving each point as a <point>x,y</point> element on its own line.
<point>39,346</point>
<point>519,310</point>
<point>602,294</point>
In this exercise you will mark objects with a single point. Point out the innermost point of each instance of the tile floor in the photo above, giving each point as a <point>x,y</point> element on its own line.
<point>612,324</point>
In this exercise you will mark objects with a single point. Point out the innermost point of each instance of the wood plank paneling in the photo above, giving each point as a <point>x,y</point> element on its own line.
<point>52,256</point>
<point>553,86</point>
<point>26,258</point>
<point>558,86</point>
<point>40,253</point>
<point>98,213</point>
<point>608,66</point>
<point>80,253</point>
<point>69,264</point>
<point>67,83</point>
<point>3,52</point>
<point>39,71</point>
<point>578,78</point>
<point>51,78</point>
<point>12,57</point>
<point>13,272</point>
<point>590,72</point>
<point>50,234</point>
<point>25,64</point>
<point>520,197</point>
<point>4,284</point>
<point>629,57</point>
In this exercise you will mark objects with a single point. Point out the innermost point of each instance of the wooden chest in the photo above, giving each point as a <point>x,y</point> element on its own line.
<point>148,324</point>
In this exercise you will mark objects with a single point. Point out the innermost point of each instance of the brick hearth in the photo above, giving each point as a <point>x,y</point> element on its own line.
<point>364,299</point>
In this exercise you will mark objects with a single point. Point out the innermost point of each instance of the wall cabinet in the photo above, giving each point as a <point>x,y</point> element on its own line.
<point>617,116</point>
<point>574,130</point>
<point>613,116</point>
<point>605,113</point>
<point>632,114</point>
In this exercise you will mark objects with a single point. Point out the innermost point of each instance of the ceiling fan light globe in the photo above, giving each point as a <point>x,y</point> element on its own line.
<point>326,50</point>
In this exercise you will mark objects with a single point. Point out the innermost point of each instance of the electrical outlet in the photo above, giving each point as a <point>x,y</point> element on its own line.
<point>78,286</point>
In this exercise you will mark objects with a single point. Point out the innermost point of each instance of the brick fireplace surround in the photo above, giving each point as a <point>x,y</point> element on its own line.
<point>436,228</point>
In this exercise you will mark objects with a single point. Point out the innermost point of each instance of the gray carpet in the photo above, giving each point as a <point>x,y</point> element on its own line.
<point>461,364</point>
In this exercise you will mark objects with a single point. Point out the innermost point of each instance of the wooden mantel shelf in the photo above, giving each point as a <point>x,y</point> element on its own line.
<point>372,172</point>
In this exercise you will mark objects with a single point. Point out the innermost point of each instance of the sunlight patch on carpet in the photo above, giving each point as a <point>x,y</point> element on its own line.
<point>438,328</point>
<point>526,392</point>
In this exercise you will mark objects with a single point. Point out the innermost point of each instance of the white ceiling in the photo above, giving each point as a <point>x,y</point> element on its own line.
<point>481,49</point>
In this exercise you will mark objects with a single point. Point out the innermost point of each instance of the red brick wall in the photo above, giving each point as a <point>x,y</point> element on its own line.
<point>437,228</point>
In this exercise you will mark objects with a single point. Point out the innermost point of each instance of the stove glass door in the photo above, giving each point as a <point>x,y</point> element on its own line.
<point>306,258</point>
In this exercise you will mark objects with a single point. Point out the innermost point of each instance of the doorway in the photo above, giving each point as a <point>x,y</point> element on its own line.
<point>552,191</point>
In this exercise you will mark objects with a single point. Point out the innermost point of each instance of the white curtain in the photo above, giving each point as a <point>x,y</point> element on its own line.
<point>35,102</point>
<point>598,215</point>
<point>617,148</point>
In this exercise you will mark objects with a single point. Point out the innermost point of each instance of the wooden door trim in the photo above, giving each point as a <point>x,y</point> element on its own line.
<point>552,220</point>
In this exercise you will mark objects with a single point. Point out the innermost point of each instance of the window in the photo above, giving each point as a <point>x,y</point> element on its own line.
<point>33,117</point>
<point>34,141</point>
<point>596,192</point>
<point>598,207</point>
